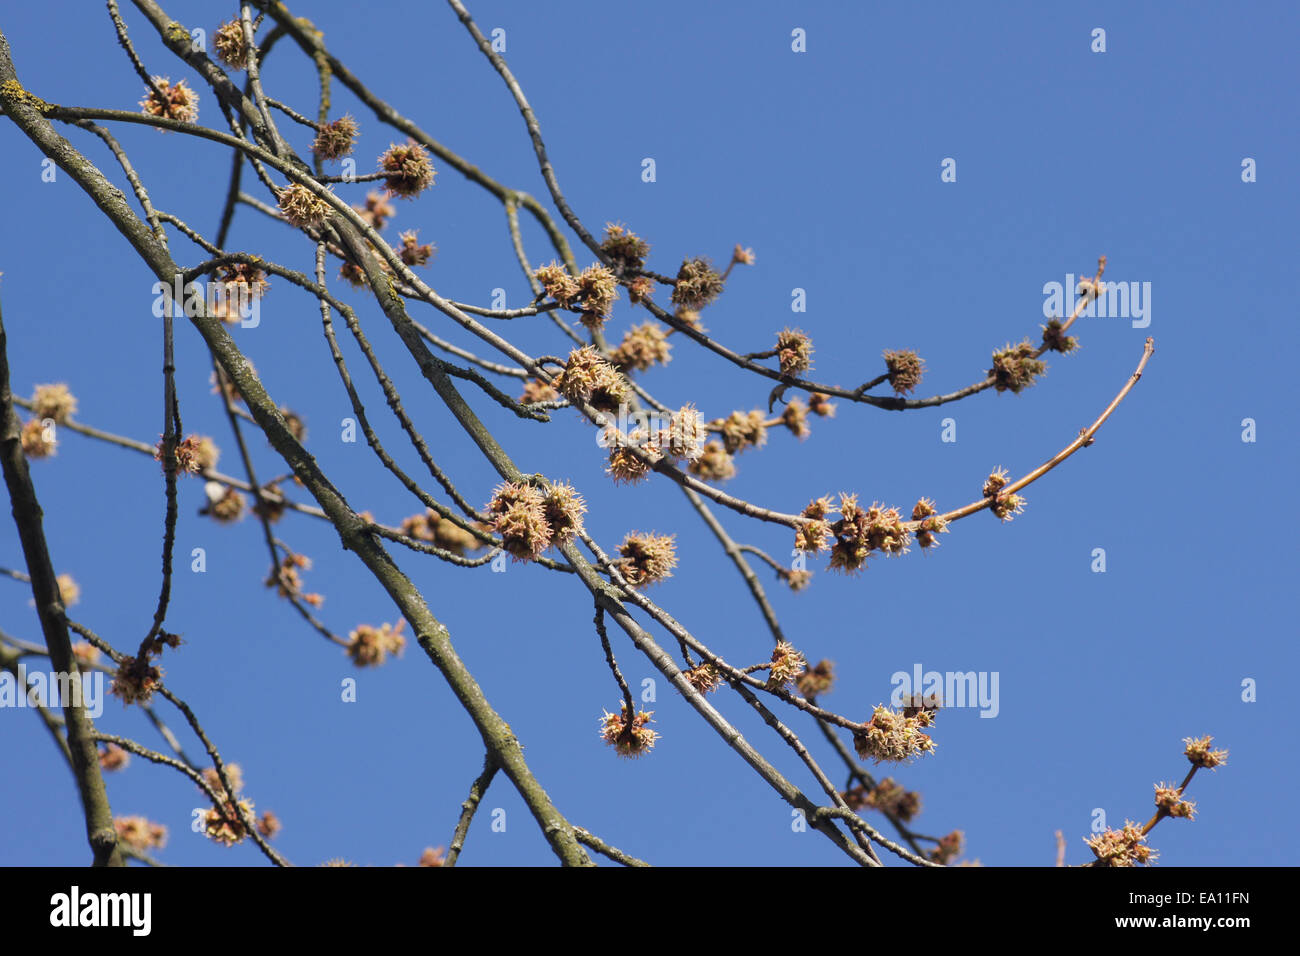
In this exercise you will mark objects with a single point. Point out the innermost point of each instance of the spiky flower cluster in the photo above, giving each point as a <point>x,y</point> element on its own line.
<point>288,582</point>
<point>697,285</point>
<point>818,680</point>
<point>69,590</point>
<point>413,252</point>
<point>140,834</point>
<point>794,350</point>
<point>714,464</point>
<point>179,102</point>
<point>1015,367</point>
<point>860,531</point>
<point>1170,802</point>
<point>370,646</point>
<point>891,736</point>
<point>743,256</point>
<point>530,520</point>
<point>742,430</point>
<point>225,825</point>
<point>597,288</point>
<point>786,665</point>
<point>54,402</point>
<point>335,139</point>
<point>625,250</point>
<point>643,345</point>
<point>931,523</point>
<point>230,44</point>
<point>240,283</point>
<point>646,558</point>
<point>629,738</point>
<point>194,454</point>
<point>905,370</point>
<point>594,290</point>
<point>1055,339</point>
<point>135,679</point>
<point>704,677</point>
<point>640,289</point>
<point>814,534</point>
<point>302,207</point>
<point>587,377</point>
<point>1005,506</point>
<point>1125,847</point>
<point>1199,752</point>
<point>435,529</point>
<point>408,167</point>
<point>625,465</point>
<point>686,434</point>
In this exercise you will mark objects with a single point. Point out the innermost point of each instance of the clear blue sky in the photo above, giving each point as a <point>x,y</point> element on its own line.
<point>827,163</point>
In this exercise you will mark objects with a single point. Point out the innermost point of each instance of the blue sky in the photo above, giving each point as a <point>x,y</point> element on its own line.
<point>827,164</point>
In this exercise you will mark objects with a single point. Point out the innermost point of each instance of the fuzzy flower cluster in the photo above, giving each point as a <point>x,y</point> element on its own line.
<point>697,284</point>
<point>69,590</point>
<point>409,169</point>
<point>287,580</point>
<point>741,431</point>
<point>335,139</point>
<point>858,532</point>
<point>794,350</point>
<point>625,250</point>
<point>1015,367</point>
<point>302,207</point>
<point>194,454</point>
<point>587,377</point>
<point>629,738</point>
<point>178,102</point>
<point>140,834</point>
<point>240,283</point>
<point>795,418</point>
<point>230,44</point>
<point>370,646</point>
<point>535,390</point>
<point>1005,506</point>
<point>888,796</point>
<point>225,825</point>
<point>818,680</point>
<point>820,404</point>
<point>434,529</point>
<point>946,850</point>
<point>54,402</point>
<point>646,558</point>
<point>714,464</point>
<point>786,665</point>
<point>643,345</point>
<point>593,290</point>
<point>224,504</point>
<point>377,210</point>
<point>893,736</point>
<point>112,757</point>
<point>1055,339</point>
<point>531,520</point>
<point>137,678</point>
<point>1124,847</point>
<point>38,439</point>
<point>905,370</point>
